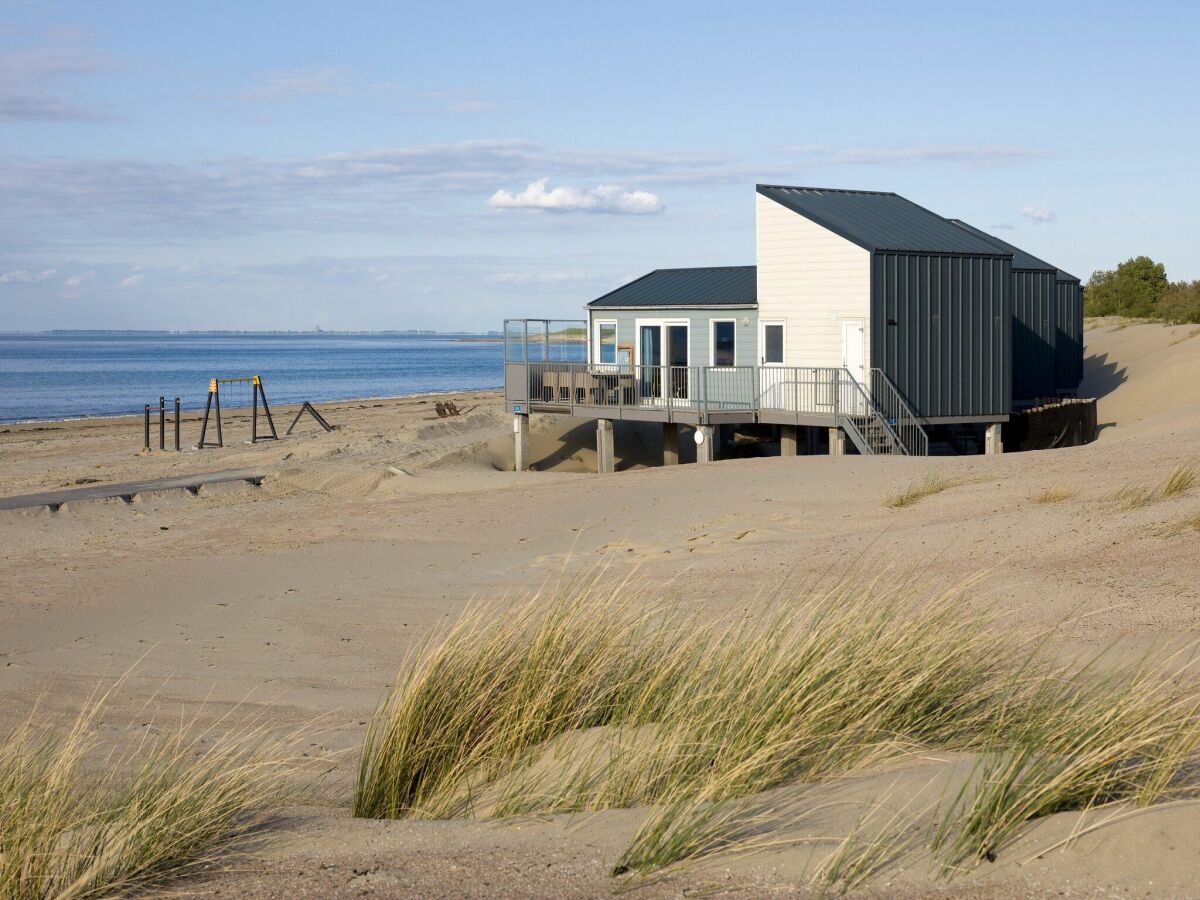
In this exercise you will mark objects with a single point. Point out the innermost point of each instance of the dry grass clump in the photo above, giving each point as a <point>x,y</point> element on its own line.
<point>1179,340</point>
<point>592,699</point>
<point>75,823</point>
<point>1056,493</point>
<point>1081,740</point>
<point>933,483</point>
<point>871,845</point>
<point>710,710</point>
<point>1180,481</point>
<point>1180,526</point>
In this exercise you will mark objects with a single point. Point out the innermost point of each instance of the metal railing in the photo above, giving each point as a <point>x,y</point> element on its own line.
<point>695,389</point>
<point>857,415</point>
<point>892,407</point>
<point>798,390</point>
<point>877,419</point>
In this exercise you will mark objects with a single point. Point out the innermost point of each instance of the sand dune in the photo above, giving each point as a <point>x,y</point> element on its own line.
<point>1146,376</point>
<point>304,594</point>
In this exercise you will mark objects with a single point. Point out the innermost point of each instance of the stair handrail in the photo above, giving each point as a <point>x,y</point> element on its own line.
<point>911,435</point>
<point>869,411</point>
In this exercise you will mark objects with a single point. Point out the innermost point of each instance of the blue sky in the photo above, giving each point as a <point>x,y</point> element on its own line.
<point>443,165</point>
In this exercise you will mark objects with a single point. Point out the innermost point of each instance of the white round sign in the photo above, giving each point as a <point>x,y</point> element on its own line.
<point>698,436</point>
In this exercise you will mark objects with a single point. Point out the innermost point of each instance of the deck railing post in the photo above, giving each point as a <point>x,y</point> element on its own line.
<point>146,429</point>
<point>162,423</point>
<point>176,424</point>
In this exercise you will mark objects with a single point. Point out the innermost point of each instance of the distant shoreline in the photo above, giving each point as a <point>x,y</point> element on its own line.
<point>154,332</point>
<point>287,404</point>
<point>500,340</point>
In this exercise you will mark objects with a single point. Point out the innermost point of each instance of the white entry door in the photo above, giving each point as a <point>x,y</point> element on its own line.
<point>854,357</point>
<point>773,388</point>
<point>854,351</point>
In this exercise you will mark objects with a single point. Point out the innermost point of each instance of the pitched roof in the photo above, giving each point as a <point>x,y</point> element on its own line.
<point>714,286</point>
<point>879,221</point>
<point>1067,276</point>
<point>1022,260</point>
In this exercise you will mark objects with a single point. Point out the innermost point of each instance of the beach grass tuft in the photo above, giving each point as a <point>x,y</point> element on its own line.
<point>932,483</point>
<point>1082,739</point>
<point>1185,525</point>
<point>589,698</point>
<point>1181,480</point>
<point>1138,494</point>
<point>1055,493</point>
<point>873,843</point>
<point>76,822</point>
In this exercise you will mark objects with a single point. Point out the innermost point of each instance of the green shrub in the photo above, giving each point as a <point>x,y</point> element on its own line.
<point>1180,305</point>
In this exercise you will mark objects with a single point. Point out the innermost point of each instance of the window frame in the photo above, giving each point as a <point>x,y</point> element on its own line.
<point>763,324</point>
<point>597,324</point>
<point>712,343</point>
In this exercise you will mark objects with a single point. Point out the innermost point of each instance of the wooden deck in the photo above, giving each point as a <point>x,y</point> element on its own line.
<point>55,499</point>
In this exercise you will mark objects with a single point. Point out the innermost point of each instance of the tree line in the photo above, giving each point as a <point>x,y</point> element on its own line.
<point>1139,288</point>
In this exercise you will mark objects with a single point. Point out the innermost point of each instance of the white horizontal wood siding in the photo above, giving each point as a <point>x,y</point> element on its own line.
<point>814,280</point>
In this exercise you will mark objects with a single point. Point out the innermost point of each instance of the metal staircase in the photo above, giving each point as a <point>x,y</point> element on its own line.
<point>879,423</point>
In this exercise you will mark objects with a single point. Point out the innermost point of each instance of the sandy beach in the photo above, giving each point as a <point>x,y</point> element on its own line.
<point>297,600</point>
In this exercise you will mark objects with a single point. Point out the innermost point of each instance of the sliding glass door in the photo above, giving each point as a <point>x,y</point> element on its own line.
<point>663,356</point>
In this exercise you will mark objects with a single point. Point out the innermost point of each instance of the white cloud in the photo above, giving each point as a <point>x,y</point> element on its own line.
<point>21,276</point>
<point>132,281</point>
<point>961,154</point>
<point>1039,214</point>
<point>100,202</point>
<point>452,102</point>
<point>79,279</point>
<point>604,198</point>
<point>32,83</point>
<point>293,84</point>
<point>520,278</point>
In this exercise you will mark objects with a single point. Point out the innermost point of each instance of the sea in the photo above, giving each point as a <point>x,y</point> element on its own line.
<point>71,375</point>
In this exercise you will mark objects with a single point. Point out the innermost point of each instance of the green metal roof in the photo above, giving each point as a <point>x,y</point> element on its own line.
<point>714,286</point>
<point>880,221</point>
<point>1023,261</point>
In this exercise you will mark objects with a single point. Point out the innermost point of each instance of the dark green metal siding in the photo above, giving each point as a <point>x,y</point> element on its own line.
<point>1069,327</point>
<point>950,351</point>
<point>1034,340</point>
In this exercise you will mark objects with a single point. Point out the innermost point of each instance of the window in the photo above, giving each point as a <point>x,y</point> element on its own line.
<point>606,342</point>
<point>772,343</point>
<point>723,342</point>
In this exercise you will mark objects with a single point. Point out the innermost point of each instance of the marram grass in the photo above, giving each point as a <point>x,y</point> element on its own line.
<point>594,698</point>
<point>76,823</point>
<point>1055,493</point>
<point>800,690</point>
<point>1138,494</point>
<point>931,484</point>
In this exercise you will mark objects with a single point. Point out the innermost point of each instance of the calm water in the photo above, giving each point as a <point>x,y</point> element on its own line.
<point>57,376</point>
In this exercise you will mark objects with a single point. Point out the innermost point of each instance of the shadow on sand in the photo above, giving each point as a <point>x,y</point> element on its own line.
<point>1100,377</point>
<point>636,444</point>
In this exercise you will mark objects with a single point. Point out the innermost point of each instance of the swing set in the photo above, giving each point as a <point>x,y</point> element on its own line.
<point>214,403</point>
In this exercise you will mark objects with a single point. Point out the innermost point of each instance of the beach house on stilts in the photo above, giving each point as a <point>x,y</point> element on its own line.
<point>868,321</point>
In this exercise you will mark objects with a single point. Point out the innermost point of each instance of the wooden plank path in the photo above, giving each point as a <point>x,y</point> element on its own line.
<point>55,499</point>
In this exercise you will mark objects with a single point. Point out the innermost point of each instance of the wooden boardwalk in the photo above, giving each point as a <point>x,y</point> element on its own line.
<point>55,499</point>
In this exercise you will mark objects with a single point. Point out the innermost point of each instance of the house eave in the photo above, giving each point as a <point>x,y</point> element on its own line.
<point>680,306</point>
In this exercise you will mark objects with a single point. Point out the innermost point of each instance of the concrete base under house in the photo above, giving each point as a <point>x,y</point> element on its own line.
<point>793,440</point>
